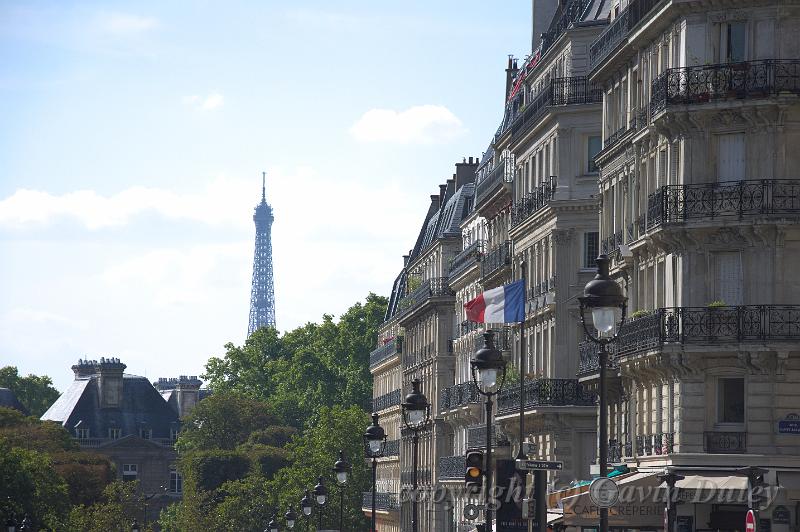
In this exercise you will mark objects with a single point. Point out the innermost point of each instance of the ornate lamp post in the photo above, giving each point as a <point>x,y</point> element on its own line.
<point>306,505</point>
<point>321,497</point>
<point>670,478</point>
<point>374,448</point>
<point>604,298</point>
<point>488,374</point>
<point>416,414</point>
<point>291,518</point>
<point>273,524</point>
<point>341,468</point>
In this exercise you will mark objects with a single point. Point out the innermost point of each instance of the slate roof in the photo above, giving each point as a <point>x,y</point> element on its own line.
<point>9,400</point>
<point>141,406</point>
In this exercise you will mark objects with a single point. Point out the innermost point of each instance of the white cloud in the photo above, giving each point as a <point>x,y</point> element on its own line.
<point>125,23</point>
<point>422,124</point>
<point>212,101</point>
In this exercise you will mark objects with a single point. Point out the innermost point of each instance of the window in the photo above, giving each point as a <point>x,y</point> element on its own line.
<point>130,472</point>
<point>591,248</point>
<point>145,434</point>
<point>729,278</point>
<point>730,400</point>
<point>175,480</point>
<point>734,41</point>
<point>114,434</point>
<point>82,434</point>
<point>731,157</point>
<point>593,148</point>
<point>173,433</point>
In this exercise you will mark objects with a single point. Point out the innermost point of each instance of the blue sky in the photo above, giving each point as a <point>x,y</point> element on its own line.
<point>132,140</point>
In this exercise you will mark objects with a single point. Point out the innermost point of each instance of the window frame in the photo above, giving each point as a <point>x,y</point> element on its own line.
<point>718,421</point>
<point>585,251</point>
<point>591,167</point>
<point>114,433</point>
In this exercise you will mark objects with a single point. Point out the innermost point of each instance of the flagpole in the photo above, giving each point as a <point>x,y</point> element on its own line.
<point>520,453</point>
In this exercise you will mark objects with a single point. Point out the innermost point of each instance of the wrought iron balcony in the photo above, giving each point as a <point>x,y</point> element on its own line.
<point>618,30</point>
<point>496,259</point>
<point>725,442</point>
<point>533,201</point>
<point>655,444</point>
<point>466,327</point>
<point>392,448</point>
<point>386,400</point>
<point>388,350</point>
<point>423,477</point>
<point>383,501</point>
<point>615,137</point>
<point>503,172</point>
<point>745,80</point>
<point>614,455</point>
<point>458,395</point>
<point>560,91</point>
<point>502,339</point>
<point>467,258</point>
<point>98,442</point>
<point>724,199</point>
<point>544,392</point>
<point>698,326</point>
<point>435,287</point>
<point>452,467</point>
<point>476,437</point>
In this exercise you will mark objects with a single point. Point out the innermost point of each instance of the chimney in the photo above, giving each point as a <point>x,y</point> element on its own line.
<point>511,71</point>
<point>405,260</point>
<point>465,172</point>
<point>435,201</point>
<point>84,368</point>
<point>187,394</point>
<point>110,372</point>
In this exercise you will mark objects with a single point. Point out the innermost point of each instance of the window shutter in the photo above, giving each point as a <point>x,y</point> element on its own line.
<point>730,157</point>
<point>729,278</point>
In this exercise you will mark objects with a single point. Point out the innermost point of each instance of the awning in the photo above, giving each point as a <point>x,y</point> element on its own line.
<point>711,487</point>
<point>639,504</point>
<point>553,517</point>
<point>790,481</point>
<point>724,481</point>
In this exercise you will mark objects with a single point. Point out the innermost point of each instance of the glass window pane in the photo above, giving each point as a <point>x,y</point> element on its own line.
<point>736,42</point>
<point>731,400</point>
<point>594,146</point>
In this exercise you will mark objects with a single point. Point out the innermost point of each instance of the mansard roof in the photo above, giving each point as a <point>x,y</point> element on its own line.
<point>141,406</point>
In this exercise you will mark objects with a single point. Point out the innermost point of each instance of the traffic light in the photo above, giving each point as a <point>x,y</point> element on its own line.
<point>473,477</point>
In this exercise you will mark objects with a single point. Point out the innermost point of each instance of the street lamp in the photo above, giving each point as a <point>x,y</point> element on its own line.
<point>11,526</point>
<point>488,375</point>
<point>374,448</point>
<point>416,413</point>
<point>290,517</point>
<point>671,478</point>
<point>607,303</point>
<point>341,468</point>
<point>273,524</point>
<point>306,505</point>
<point>321,497</point>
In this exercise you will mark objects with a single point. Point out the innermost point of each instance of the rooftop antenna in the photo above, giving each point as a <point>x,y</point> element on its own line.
<point>263,186</point>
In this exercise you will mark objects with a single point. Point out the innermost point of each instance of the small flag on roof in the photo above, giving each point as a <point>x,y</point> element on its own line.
<point>504,304</point>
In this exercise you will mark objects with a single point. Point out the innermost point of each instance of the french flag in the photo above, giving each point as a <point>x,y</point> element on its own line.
<point>504,304</point>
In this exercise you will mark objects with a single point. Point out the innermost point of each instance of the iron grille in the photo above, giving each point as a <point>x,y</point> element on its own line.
<point>544,392</point>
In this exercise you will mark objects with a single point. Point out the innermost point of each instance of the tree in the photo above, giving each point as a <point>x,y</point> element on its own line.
<point>34,392</point>
<point>120,505</point>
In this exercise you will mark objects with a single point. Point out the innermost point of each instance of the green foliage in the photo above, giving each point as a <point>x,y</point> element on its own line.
<point>312,366</point>
<point>276,436</point>
<point>36,393</point>
<point>223,421</point>
<point>717,304</point>
<point>641,313</point>
<point>30,486</point>
<point>87,475</point>
<point>265,460</point>
<point>207,470</point>
<point>120,505</point>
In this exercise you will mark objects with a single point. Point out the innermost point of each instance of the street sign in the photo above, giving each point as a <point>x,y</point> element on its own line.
<point>604,492</point>
<point>750,521</point>
<point>538,465</point>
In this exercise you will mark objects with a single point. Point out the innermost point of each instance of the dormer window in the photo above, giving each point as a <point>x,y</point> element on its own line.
<point>82,433</point>
<point>114,434</point>
<point>145,433</point>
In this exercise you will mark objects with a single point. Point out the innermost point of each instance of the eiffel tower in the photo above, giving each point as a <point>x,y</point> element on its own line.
<point>262,294</point>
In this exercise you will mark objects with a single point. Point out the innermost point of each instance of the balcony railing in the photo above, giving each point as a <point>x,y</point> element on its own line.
<point>458,395</point>
<point>435,287</point>
<point>386,351</point>
<point>383,501</point>
<point>745,80</point>
<point>699,326</point>
<point>467,258</point>
<point>503,172</point>
<point>386,400</point>
<point>502,339</point>
<point>496,259</point>
<point>725,442</point>
<point>542,287</point>
<point>560,91</point>
<point>423,477</point>
<point>618,30</point>
<point>533,201</point>
<point>97,442</point>
<point>452,467</point>
<point>728,199</point>
<point>544,392</point>
<point>392,448</point>
<point>476,437</point>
